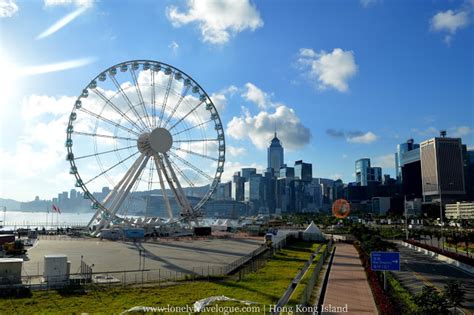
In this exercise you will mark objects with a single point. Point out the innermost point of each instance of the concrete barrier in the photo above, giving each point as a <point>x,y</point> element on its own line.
<point>453,262</point>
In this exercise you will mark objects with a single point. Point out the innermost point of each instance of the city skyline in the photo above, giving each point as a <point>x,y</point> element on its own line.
<point>335,95</point>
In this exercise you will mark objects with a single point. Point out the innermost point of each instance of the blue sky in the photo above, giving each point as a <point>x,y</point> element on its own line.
<point>340,80</point>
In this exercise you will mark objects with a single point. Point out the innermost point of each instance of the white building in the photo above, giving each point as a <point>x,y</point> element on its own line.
<point>460,211</point>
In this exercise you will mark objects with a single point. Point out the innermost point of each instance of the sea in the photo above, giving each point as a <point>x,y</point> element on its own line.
<point>12,220</point>
<point>25,219</point>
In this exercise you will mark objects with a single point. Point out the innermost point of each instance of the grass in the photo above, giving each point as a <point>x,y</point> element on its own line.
<point>264,286</point>
<point>400,296</point>
<point>298,293</point>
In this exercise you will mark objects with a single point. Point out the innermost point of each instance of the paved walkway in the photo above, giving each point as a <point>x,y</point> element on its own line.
<point>348,291</point>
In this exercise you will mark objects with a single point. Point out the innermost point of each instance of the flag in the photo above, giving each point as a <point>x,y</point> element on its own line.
<point>56,209</point>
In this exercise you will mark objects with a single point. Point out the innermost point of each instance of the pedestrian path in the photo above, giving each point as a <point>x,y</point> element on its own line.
<point>348,291</point>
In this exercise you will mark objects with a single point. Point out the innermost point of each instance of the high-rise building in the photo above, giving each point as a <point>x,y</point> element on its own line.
<point>442,168</point>
<point>247,172</point>
<point>275,155</point>
<point>223,191</point>
<point>303,171</point>
<point>287,172</point>
<point>468,156</point>
<point>402,148</point>
<point>238,187</point>
<point>375,175</point>
<point>365,174</point>
<point>362,168</point>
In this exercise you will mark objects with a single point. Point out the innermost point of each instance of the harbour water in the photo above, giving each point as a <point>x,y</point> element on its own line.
<point>24,219</point>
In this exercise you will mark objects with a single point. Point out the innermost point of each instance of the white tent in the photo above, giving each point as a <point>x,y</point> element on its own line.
<point>312,233</point>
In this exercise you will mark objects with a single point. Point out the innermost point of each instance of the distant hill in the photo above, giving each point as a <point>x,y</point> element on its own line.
<point>10,204</point>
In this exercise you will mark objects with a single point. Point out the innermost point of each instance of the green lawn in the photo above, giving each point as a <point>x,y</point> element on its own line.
<point>298,293</point>
<point>264,286</point>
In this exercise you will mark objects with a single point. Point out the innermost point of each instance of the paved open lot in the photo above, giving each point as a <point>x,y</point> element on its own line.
<point>182,256</point>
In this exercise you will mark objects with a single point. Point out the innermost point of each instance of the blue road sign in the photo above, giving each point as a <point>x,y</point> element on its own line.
<point>380,261</point>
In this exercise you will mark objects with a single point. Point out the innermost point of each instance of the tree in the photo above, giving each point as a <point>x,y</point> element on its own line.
<point>453,293</point>
<point>431,302</point>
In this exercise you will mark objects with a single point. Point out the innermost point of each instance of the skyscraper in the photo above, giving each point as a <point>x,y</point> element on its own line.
<point>275,155</point>
<point>303,171</point>
<point>402,148</point>
<point>442,169</point>
<point>362,168</point>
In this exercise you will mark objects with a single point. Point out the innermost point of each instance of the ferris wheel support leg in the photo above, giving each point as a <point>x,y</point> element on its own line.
<point>186,206</point>
<point>159,168</point>
<point>114,191</point>
<point>129,184</point>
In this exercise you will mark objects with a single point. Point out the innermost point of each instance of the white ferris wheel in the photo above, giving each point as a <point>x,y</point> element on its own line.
<point>152,134</point>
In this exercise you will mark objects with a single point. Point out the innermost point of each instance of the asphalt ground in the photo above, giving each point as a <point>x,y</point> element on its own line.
<point>185,256</point>
<point>418,269</point>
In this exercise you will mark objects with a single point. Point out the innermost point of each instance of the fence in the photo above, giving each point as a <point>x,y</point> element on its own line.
<point>308,291</point>
<point>85,276</point>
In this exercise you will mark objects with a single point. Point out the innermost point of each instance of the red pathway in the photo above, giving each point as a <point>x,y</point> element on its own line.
<point>348,291</point>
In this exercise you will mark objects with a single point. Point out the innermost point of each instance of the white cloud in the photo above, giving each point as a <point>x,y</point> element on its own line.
<point>7,8</point>
<point>231,167</point>
<point>260,128</point>
<point>449,22</point>
<point>54,67</point>
<point>78,3</point>
<point>217,20</point>
<point>367,3</point>
<point>42,140</point>
<point>256,95</point>
<point>385,161</point>
<point>235,151</point>
<point>430,131</point>
<point>332,69</point>
<point>174,47</point>
<point>220,98</point>
<point>366,138</point>
<point>461,131</point>
<point>62,23</point>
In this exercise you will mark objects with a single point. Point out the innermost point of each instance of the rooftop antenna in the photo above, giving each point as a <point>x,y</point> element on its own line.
<point>442,133</point>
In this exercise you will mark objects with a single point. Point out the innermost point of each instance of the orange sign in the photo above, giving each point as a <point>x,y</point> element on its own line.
<point>341,208</point>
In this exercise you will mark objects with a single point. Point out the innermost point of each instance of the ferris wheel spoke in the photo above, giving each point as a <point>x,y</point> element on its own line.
<point>140,96</point>
<point>175,108</point>
<point>125,96</point>
<point>110,168</point>
<point>179,192</point>
<point>165,99</point>
<point>104,152</point>
<point>195,153</point>
<point>82,109</point>
<point>153,96</point>
<point>195,168</point>
<point>195,140</point>
<point>180,171</point>
<point>150,175</point>
<point>195,126</point>
<point>123,114</point>
<point>124,191</point>
<point>159,169</point>
<point>185,116</point>
<point>102,136</point>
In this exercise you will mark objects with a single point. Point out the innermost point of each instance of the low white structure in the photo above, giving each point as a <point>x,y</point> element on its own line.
<point>312,233</point>
<point>56,270</point>
<point>10,270</point>
<point>460,211</point>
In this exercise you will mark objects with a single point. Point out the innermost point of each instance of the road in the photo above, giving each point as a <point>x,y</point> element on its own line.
<point>418,269</point>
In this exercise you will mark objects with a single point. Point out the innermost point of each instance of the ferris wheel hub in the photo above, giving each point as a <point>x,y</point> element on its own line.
<point>157,141</point>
